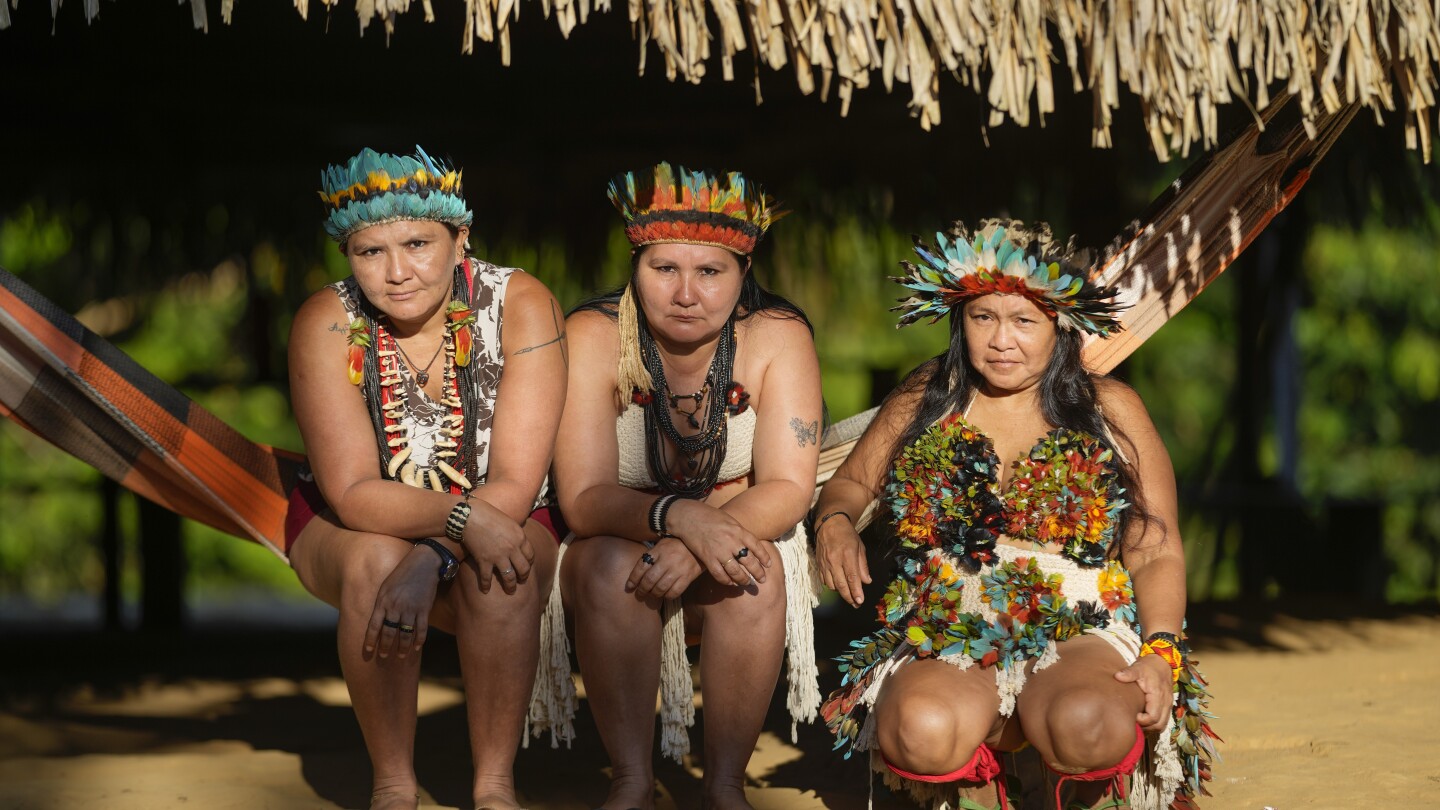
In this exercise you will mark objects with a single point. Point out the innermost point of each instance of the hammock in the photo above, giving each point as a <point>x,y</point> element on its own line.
<point>71,387</point>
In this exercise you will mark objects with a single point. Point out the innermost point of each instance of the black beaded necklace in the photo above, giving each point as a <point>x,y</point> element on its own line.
<point>703,452</point>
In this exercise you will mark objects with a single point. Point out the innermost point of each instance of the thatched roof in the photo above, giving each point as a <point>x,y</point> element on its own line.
<point>1181,58</point>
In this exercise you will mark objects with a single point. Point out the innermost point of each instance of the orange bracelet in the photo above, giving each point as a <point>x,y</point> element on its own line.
<point>1167,651</point>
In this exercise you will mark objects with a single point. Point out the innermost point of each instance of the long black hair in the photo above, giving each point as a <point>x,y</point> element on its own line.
<point>1068,400</point>
<point>754,298</point>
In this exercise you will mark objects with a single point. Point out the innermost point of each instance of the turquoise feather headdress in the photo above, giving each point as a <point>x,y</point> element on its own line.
<point>1006,258</point>
<point>374,188</point>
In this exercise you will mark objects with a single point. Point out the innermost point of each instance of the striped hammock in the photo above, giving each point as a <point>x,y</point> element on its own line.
<point>77,391</point>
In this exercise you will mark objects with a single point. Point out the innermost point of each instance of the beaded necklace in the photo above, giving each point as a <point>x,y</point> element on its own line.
<point>453,465</point>
<point>703,452</point>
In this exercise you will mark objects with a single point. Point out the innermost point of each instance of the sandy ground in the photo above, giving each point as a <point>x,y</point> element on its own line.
<point>1323,713</point>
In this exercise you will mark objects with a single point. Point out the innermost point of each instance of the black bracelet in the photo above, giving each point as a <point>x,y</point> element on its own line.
<point>449,565</point>
<point>827,516</point>
<point>658,510</point>
<point>1163,636</point>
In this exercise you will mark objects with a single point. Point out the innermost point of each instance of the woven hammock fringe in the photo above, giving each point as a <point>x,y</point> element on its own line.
<point>1181,58</point>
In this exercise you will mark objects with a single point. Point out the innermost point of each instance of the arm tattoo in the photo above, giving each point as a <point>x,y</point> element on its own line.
<point>335,327</point>
<point>805,434</point>
<point>559,336</point>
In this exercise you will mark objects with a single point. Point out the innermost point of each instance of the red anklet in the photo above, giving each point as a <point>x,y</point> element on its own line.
<point>983,767</point>
<point>1124,767</point>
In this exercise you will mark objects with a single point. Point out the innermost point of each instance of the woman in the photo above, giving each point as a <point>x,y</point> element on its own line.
<point>686,459</point>
<point>406,357</point>
<point>1026,568</point>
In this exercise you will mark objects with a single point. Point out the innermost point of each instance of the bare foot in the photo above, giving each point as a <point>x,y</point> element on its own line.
<point>394,799</point>
<point>725,797</point>
<point>629,793</point>
<point>497,801</point>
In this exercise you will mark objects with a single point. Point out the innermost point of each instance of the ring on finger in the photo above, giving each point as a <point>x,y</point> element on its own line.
<point>507,572</point>
<point>742,553</point>
<point>393,625</point>
<point>405,628</point>
<point>647,559</point>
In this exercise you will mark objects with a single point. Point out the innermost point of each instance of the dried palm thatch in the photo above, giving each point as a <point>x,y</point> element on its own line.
<point>1181,58</point>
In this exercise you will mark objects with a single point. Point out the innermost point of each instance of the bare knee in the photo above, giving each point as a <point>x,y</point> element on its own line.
<point>594,572</point>
<point>921,734</point>
<point>1085,730</point>
<point>368,560</point>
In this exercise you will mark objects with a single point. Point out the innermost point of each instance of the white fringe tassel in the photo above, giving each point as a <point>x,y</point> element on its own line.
<point>677,690</point>
<point>553,700</point>
<point>802,595</point>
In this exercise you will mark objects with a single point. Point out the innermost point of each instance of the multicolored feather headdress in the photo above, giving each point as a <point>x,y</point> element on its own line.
<point>672,204</point>
<point>373,188</point>
<point>1006,258</point>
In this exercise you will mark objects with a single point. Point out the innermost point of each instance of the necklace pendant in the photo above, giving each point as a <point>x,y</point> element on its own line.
<point>690,462</point>
<point>690,417</point>
<point>422,378</point>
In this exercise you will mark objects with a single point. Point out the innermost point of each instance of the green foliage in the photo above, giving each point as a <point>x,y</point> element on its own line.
<point>1371,342</point>
<point>33,238</point>
<point>1369,337</point>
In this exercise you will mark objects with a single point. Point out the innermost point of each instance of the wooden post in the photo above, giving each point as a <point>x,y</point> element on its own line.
<point>162,559</point>
<point>110,552</point>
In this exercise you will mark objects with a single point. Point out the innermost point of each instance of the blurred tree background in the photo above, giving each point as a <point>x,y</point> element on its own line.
<point>160,184</point>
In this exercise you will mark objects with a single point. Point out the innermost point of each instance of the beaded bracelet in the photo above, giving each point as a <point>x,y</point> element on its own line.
<point>658,512</point>
<point>1166,650</point>
<point>827,516</point>
<point>455,522</point>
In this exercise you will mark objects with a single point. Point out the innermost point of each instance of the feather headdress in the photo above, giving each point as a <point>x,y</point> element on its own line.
<point>671,204</point>
<point>1006,258</point>
<point>374,188</point>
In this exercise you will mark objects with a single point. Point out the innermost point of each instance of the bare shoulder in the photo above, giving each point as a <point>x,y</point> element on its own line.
<point>526,293</point>
<point>594,335</point>
<point>1120,402</point>
<point>775,335</point>
<point>321,312</point>
<point>1125,410</point>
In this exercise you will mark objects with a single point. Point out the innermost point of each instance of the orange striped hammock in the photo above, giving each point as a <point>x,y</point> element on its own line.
<point>77,391</point>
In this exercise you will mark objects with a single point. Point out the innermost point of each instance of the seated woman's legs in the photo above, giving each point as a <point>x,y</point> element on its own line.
<point>346,569</point>
<point>1078,717</point>
<point>931,717</point>
<point>498,635</point>
<point>741,650</point>
<point>617,641</point>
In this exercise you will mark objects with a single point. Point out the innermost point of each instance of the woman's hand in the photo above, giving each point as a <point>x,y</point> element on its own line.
<point>840,554</point>
<point>727,550</point>
<point>664,570</point>
<point>1152,674</point>
<point>401,617</point>
<point>497,547</point>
